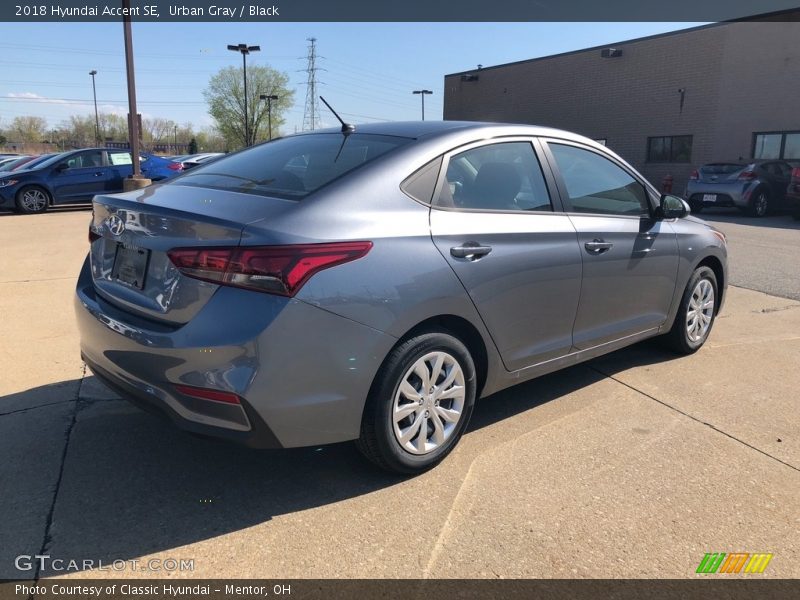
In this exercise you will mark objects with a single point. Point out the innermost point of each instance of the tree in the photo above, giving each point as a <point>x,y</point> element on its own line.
<point>27,129</point>
<point>225,97</point>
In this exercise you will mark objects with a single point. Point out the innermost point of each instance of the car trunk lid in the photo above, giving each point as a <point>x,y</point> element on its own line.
<point>720,172</point>
<point>134,231</point>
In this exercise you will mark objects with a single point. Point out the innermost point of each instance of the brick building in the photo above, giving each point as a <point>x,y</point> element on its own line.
<point>665,103</point>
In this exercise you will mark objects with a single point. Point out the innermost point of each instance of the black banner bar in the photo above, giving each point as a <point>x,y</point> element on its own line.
<point>401,589</point>
<point>390,11</point>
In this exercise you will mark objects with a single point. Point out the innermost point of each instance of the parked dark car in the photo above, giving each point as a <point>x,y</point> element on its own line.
<point>75,177</point>
<point>19,163</point>
<point>393,276</point>
<point>793,190</point>
<point>7,162</point>
<point>754,186</point>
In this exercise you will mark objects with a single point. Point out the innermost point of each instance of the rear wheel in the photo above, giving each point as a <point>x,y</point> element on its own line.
<point>696,313</point>
<point>420,404</point>
<point>759,204</point>
<point>32,199</point>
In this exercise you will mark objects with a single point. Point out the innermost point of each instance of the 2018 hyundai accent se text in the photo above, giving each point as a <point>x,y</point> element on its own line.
<point>369,285</point>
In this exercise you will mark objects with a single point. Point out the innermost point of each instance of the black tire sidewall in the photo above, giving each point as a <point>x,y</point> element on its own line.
<point>756,195</point>
<point>22,209</point>
<point>679,333</point>
<point>384,392</point>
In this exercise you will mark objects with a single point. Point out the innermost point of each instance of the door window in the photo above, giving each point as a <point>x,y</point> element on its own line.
<point>505,177</point>
<point>84,160</point>
<point>598,186</point>
<point>120,158</point>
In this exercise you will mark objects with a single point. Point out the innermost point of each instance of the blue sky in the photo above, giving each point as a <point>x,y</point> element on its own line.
<point>370,68</point>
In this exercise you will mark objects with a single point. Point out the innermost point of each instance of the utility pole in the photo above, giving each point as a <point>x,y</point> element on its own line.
<point>245,50</point>
<point>176,139</point>
<point>422,93</point>
<point>269,98</point>
<point>96,116</point>
<point>311,112</point>
<point>133,121</point>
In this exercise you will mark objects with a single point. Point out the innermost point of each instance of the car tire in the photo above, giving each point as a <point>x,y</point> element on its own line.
<point>399,411</point>
<point>759,204</point>
<point>691,328</point>
<point>32,199</point>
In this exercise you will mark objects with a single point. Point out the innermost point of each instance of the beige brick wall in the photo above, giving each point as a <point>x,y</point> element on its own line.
<point>739,78</point>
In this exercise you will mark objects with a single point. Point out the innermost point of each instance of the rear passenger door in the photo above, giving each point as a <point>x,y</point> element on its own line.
<point>494,221</point>
<point>630,260</point>
<point>120,166</point>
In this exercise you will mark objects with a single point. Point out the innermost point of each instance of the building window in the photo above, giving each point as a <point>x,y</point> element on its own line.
<point>671,148</point>
<point>776,145</point>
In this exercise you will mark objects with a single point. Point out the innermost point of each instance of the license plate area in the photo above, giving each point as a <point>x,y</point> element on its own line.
<point>709,197</point>
<point>130,265</point>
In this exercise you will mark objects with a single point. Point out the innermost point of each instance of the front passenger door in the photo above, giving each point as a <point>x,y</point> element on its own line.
<point>85,175</point>
<point>630,260</point>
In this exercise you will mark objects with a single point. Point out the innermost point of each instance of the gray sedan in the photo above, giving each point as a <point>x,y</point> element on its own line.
<point>371,284</point>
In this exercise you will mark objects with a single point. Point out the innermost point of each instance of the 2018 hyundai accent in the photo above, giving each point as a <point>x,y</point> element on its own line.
<point>369,284</point>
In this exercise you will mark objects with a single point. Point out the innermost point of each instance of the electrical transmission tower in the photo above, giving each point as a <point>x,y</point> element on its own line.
<point>311,112</point>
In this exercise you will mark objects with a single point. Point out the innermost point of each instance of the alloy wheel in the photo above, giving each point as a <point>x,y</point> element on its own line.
<point>33,200</point>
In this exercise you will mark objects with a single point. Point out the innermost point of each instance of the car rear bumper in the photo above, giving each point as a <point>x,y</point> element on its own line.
<point>723,195</point>
<point>302,374</point>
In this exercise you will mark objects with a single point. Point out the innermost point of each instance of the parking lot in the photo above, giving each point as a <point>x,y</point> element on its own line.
<point>632,465</point>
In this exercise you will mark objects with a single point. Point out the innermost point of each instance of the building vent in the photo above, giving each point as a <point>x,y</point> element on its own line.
<point>611,52</point>
<point>469,77</point>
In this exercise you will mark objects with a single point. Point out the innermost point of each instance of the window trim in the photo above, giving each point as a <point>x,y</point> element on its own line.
<point>650,192</point>
<point>783,133</point>
<point>670,160</point>
<point>550,183</point>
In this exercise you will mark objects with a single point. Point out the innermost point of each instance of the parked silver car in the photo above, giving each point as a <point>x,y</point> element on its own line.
<point>753,186</point>
<point>369,285</point>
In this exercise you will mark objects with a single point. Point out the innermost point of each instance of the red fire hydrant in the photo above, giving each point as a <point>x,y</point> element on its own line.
<point>666,184</point>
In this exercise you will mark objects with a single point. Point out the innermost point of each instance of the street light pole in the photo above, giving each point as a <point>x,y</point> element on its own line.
<point>422,93</point>
<point>96,116</point>
<point>176,139</point>
<point>245,50</point>
<point>269,98</point>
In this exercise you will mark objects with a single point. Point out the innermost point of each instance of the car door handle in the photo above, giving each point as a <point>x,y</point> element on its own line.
<point>470,250</point>
<point>597,246</point>
<point>99,174</point>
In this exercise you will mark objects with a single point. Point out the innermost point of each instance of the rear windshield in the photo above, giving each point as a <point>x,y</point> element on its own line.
<point>721,168</point>
<point>291,167</point>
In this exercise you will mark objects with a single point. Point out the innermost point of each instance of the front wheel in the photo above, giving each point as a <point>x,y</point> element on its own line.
<point>32,199</point>
<point>420,404</point>
<point>696,313</point>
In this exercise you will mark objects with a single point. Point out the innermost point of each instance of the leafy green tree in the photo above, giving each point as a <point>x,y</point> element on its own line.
<point>225,97</point>
<point>27,129</point>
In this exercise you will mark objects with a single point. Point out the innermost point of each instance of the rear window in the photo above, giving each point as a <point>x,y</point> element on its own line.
<point>291,167</point>
<point>721,168</point>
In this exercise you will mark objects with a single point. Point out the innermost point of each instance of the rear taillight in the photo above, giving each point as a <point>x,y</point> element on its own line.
<point>746,175</point>
<point>694,176</point>
<point>207,394</point>
<point>175,166</point>
<point>272,269</point>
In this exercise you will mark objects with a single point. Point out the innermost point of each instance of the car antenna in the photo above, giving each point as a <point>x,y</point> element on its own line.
<point>347,128</point>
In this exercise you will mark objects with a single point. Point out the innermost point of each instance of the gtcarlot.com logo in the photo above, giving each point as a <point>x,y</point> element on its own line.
<point>44,562</point>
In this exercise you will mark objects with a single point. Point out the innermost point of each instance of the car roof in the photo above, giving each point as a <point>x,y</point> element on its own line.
<point>428,129</point>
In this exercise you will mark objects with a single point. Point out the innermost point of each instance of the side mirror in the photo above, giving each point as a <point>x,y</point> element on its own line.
<point>671,207</point>
<point>62,167</point>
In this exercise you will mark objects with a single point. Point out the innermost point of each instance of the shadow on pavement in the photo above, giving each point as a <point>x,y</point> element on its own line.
<point>134,485</point>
